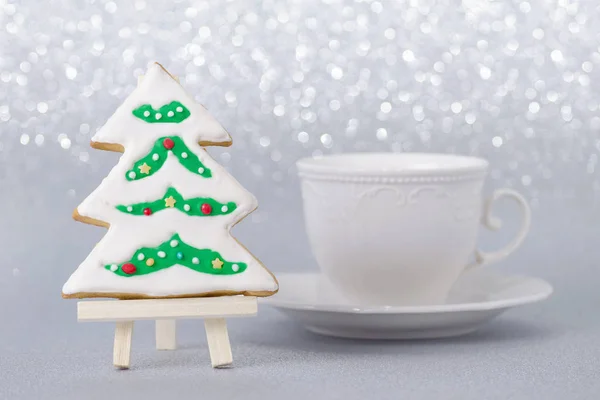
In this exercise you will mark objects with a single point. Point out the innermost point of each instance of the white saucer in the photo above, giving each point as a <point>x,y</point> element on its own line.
<point>476,298</point>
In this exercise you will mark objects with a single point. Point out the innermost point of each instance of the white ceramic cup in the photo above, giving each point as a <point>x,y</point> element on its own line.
<point>399,228</point>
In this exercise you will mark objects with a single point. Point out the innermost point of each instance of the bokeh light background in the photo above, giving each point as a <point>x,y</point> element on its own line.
<point>517,82</point>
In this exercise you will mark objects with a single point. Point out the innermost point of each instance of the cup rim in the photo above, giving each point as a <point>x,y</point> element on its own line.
<point>396,164</point>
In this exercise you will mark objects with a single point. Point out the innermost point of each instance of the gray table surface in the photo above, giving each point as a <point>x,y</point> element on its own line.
<point>545,351</point>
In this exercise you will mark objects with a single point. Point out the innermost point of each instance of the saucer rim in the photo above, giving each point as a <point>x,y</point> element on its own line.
<point>543,293</point>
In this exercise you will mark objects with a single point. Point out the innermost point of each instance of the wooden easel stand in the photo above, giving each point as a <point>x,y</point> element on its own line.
<point>213,310</point>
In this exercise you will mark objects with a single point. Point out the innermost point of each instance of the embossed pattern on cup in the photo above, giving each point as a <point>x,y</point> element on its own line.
<point>393,229</point>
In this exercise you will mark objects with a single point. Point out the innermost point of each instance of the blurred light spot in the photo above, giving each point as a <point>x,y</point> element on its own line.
<point>456,107</point>
<point>42,107</point>
<point>303,137</point>
<point>110,7</point>
<point>64,141</point>
<point>327,140</point>
<point>552,96</point>
<point>408,55</point>
<point>337,73</point>
<point>70,72</point>
<point>264,141</point>
<point>39,139</point>
<point>485,72</point>
<point>534,107</point>
<point>557,56</point>
<point>525,7</point>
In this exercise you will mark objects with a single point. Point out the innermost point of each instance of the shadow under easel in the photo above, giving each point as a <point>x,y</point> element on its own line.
<point>280,340</point>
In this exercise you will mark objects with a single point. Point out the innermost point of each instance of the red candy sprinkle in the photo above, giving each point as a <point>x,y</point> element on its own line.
<point>147,211</point>
<point>206,208</point>
<point>168,143</point>
<point>128,268</point>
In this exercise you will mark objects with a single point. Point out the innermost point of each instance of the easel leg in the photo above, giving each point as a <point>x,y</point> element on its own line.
<point>122,347</point>
<point>218,342</point>
<point>166,334</point>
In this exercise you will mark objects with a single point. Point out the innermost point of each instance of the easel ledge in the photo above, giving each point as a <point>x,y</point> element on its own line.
<point>214,310</point>
<point>201,307</point>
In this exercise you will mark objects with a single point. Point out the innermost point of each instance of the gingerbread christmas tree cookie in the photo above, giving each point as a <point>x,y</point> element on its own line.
<point>167,204</point>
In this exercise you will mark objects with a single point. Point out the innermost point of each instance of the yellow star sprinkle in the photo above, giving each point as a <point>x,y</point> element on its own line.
<point>217,264</point>
<point>170,202</point>
<point>145,168</point>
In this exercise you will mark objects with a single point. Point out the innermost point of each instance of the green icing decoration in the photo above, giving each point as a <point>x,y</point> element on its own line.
<point>175,252</point>
<point>192,207</point>
<point>154,160</point>
<point>173,113</point>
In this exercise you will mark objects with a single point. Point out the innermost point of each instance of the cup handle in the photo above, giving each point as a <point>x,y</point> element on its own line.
<point>493,223</point>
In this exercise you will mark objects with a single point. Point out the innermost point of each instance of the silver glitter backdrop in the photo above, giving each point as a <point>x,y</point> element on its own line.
<point>517,82</point>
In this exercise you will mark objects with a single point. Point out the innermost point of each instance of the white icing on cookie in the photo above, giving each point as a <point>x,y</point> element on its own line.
<point>129,233</point>
<point>157,89</point>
